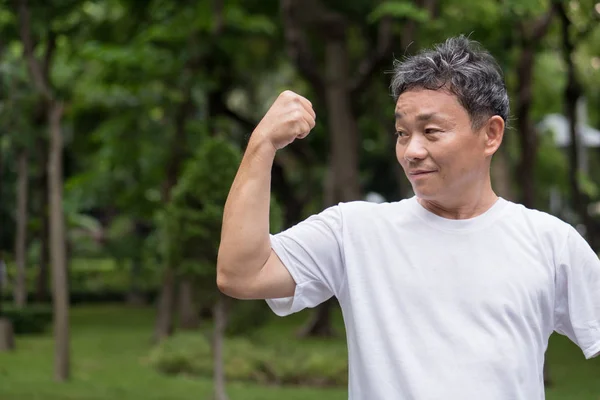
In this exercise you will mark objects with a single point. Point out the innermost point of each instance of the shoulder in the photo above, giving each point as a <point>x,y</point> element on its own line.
<point>538,218</point>
<point>539,224</point>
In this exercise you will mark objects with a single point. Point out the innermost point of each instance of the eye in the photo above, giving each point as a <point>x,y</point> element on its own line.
<point>400,134</point>
<point>431,130</point>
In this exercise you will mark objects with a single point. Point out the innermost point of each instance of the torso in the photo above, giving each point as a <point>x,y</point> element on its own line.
<point>441,309</point>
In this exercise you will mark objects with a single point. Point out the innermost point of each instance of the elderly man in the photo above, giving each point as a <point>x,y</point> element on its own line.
<point>450,294</point>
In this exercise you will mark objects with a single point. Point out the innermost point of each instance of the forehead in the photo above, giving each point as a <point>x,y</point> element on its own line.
<point>417,102</point>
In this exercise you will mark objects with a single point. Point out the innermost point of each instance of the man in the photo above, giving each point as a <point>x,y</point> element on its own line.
<point>451,294</point>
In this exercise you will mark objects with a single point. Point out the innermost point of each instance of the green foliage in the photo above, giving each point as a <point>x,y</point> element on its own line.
<point>245,360</point>
<point>94,278</point>
<point>192,220</point>
<point>527,8</point>
<point>105,275</point>
<point>398,9</point>
<point>552,165</point>
<point>32,319</point>
<point>588,187</point>
<point>246,317</point>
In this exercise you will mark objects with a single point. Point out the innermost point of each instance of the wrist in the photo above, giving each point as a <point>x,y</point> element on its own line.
<point>261,147</point>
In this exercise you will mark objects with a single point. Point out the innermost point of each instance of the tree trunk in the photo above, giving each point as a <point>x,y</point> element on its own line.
<point>342,122</point>
<point>319,325</point>
<point>58,244</point>
<point>7,337</point>
<point>20,289</point>
<point>3,272</point>
<point>141,231</point>
<point>527,136</point>
<point>166,308</point>
<point>547,379</point>
<point>501,174</point>
<point>578,200</point>
<point>135,297</point>
<point>531,33</point>
<point>220,317</point>
<point>188,312</point>
<point>42,282</point>
<point>572,93</point>
<point>163,327</point>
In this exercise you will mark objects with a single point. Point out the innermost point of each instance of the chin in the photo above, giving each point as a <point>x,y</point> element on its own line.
<point>425,193</point>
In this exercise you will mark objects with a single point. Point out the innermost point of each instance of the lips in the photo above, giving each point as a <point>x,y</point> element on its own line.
<point>420,172</point>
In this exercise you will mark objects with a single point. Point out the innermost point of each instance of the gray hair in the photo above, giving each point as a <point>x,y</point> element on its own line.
<point>462,67</point>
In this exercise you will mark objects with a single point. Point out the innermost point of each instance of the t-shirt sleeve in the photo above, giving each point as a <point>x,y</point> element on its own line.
<point>577,302</point>
<point>312,251</point>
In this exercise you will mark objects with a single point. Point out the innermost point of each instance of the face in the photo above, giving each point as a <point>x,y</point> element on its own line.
<point>441,154</point>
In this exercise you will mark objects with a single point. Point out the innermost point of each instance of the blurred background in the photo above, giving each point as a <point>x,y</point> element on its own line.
<point>122,124</point>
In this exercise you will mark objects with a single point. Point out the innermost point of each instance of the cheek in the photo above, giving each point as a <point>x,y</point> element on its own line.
<point>400,154</point>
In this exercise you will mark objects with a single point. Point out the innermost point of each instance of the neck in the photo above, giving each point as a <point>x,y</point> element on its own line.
<point>465,206</point>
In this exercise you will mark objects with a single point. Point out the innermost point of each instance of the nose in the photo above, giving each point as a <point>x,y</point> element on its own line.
<point>415,149</point>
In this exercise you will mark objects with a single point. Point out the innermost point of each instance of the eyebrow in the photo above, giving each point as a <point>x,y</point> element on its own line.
<point>420,117</point>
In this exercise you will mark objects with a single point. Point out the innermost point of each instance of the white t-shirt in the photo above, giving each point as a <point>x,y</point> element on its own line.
<point>445,309</point>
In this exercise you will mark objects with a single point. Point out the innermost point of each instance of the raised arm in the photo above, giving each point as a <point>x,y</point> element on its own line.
<point>247,268</point>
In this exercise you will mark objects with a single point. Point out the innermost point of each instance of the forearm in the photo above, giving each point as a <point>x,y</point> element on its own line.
<point>245,244</point>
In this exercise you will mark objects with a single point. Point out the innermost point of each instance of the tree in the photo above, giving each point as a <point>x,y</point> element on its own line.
<point>39,72</point>
<point>191,224</point>
<point>531,33</point>
<point>7,342</point>
<point>572,93</point>
<point>20,288</point>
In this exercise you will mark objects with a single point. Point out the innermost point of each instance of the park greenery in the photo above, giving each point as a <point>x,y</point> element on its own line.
<point>122,124</point>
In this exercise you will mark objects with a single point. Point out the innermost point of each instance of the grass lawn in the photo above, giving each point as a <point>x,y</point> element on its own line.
<point>109,344</point>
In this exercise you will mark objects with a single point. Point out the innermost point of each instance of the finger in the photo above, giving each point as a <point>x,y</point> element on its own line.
<point>310,121</point>
<point>307,105</point>
<point>305,129</point>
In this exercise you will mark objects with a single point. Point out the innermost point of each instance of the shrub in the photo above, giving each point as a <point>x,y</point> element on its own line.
<point>247,316</point>
<point>246,360</point>
<point>32,319</point>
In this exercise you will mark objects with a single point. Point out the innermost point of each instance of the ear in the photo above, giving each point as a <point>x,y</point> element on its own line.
<point>494,132</point>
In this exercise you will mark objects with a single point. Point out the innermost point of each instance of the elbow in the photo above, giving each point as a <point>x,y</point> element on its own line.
<point>228,288</point>
<point>224,284</point>
<point>227,285</point>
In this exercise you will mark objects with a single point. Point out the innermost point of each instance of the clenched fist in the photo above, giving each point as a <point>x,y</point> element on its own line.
<point>290,117</point>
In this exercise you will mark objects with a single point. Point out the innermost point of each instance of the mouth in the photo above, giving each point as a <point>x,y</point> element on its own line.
<point>420,173</point>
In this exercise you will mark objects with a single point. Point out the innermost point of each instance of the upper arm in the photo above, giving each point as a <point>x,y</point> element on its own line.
<point>274,280</point>
<point>271,280</point>
<point>308,255</point>
<point>577,298</point>
<point>305,266</point>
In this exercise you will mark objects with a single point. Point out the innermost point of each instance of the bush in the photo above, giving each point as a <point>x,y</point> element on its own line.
<point>245,360</point>
<point>93,280</point>
<point>247,316</point>
<point>32,319</point>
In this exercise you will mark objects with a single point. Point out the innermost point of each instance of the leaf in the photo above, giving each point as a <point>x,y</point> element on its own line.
<point>398,9</point>
<point>238,17</point>
<point>588,187</point>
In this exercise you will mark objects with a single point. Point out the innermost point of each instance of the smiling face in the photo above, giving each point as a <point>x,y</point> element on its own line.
<point>442,155</point>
